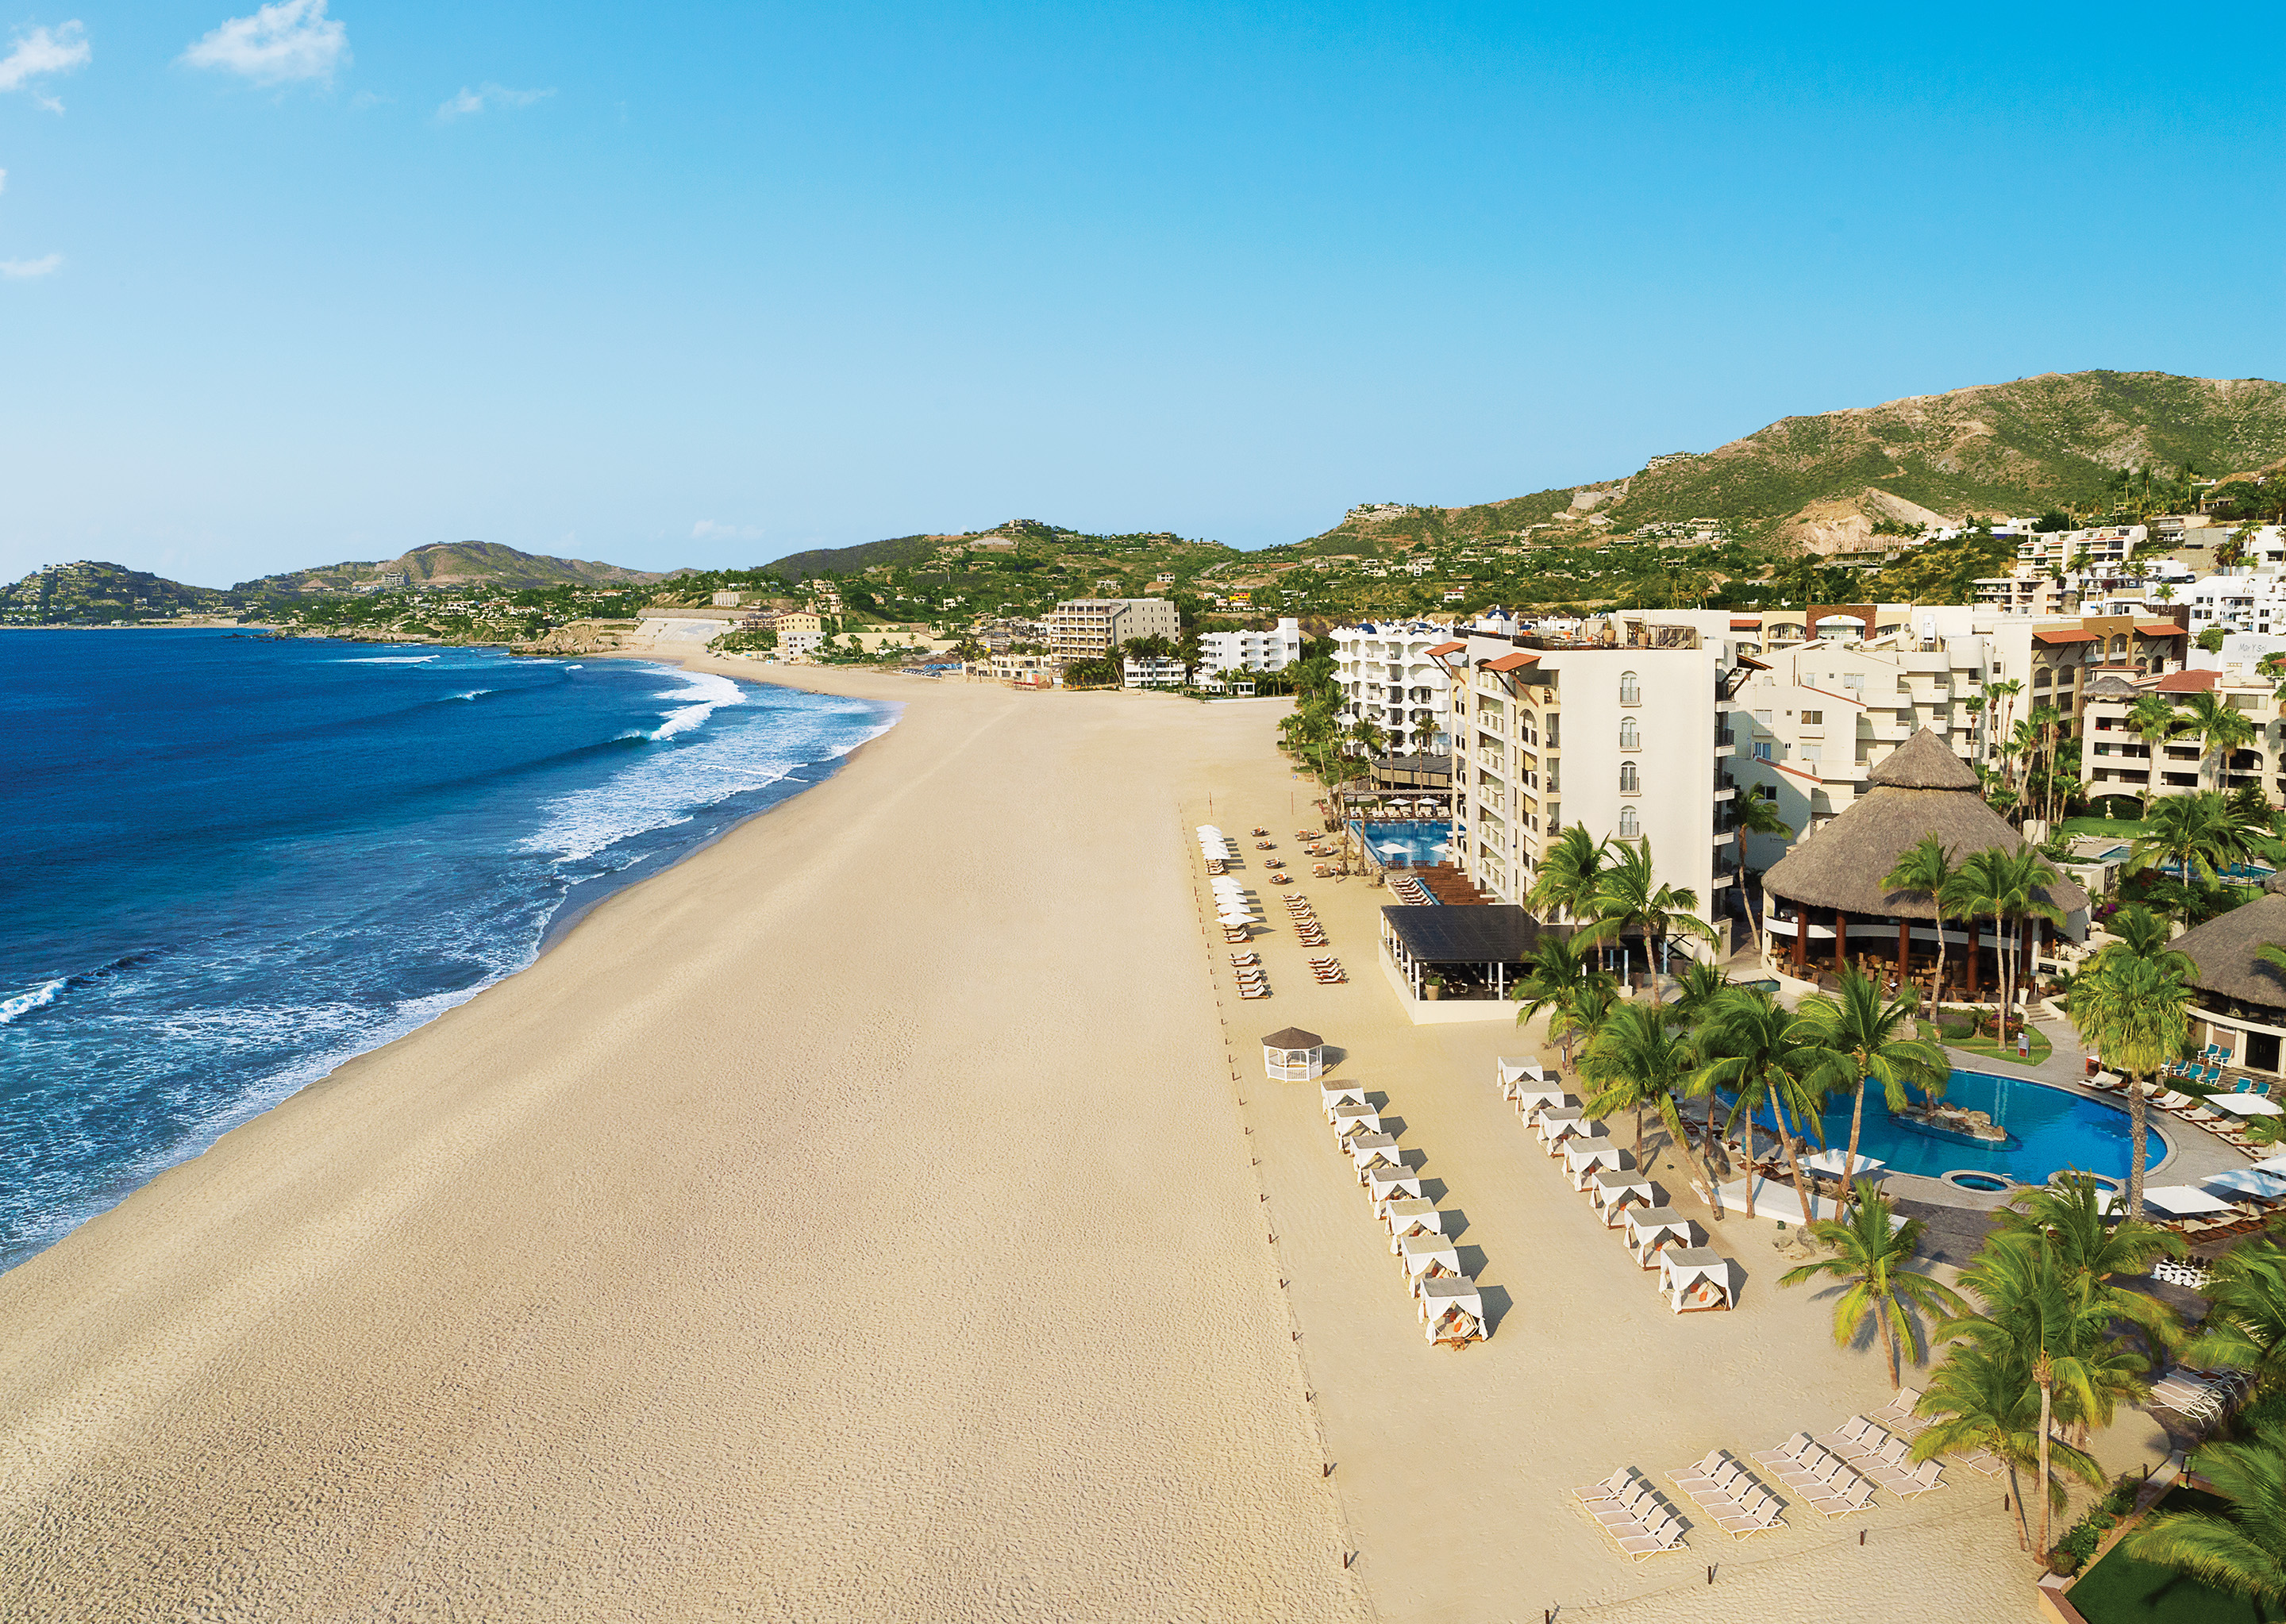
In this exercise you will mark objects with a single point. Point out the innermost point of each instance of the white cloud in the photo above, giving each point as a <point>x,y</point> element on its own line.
<point>468,103</point>
<point>41,50</point>
<point>22,270</point>
<point>707,530</point>
<point>280,44</point>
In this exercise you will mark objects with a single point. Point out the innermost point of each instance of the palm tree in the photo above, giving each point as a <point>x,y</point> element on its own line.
<point>1565,981</point>
<point>2153,718</point>
<point>2035,1310</point>
<point>2221,727</point>
<point>2136,1012</point>
<point>2194,833</point>
<point>1629,897</point>
<point>2246,1316</point>
<point>2239,1550</point>
<point>1747,1048</point>
<point>1640,1060</point>
<point>1998,699</point>
<point>1985,1397</point>
<point>1857,1033</point>
<point>2007,885</point>
<point>1870,1259</point>
<point>1757,815</point>
<point>1365,734</point>
<point>2068,1216</point>
<point>1925,870</point>
<point>1569,874</point>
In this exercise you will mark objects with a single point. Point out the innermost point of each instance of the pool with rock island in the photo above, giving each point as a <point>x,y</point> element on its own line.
<point>2046,1131</point>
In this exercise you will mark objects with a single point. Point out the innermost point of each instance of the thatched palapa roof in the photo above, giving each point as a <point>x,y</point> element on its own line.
<point>2224,949</point>
<point>1922,789</point>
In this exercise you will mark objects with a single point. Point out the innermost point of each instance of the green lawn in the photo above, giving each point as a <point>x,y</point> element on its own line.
<point>2121,1590</point>
<point>2109,828</point>
<point>1986,1048</point>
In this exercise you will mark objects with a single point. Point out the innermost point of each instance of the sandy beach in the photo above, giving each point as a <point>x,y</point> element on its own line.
<point>872,1218</point>
<point>852,1222</point>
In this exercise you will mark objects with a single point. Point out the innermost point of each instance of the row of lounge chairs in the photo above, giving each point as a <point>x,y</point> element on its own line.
<point>1693,1279</point>
<point>1253,979</point>
<point>2177,1272</point>
<point>1410,890</point>
<point>1626,1507</point>
<point>1451,1309</point>
<point>2200,1395</point>
<point>1305,920</point>
<point>2192,1107</point>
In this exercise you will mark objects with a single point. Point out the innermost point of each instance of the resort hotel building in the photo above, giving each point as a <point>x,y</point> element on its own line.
<point>1388,676</point>
<point>1625,731</point>
<point>1092,628</point>
<point>1271,650</point>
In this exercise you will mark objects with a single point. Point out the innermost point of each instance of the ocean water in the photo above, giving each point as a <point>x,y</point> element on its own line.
<point>234,862</point>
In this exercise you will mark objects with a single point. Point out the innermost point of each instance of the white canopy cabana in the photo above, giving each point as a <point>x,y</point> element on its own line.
<point>1350,1119</point>
<point>1331,1094</point>
<point>1694,1279</point>
<point>1294,1055</point>
<point>1388,1180</point>
<point>1447,1296</point>
<point>1429,1251</point>
<point>1611,1188</point>
<point>1650,1228</point>
<point>2246,1105</point>
<point>1532,1099</point>
<point>1554,1118</point>
<point>1411,1214</point>
<point>1584,1156</point>
<point>1510,1070</point>
<point>1559,1134</point>
<point>1371,1149</point>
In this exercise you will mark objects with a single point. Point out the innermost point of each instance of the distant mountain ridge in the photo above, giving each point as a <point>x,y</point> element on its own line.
<point>452,563</point>
<point>92,593</point>
<point>2036,444</point>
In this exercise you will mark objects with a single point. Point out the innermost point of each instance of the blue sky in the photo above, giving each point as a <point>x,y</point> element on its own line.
<point>692,284</point>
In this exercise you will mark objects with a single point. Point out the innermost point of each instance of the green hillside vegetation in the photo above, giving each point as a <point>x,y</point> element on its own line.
<point>91,593</point>
<point>453,564</point>
<point>1944,571</point>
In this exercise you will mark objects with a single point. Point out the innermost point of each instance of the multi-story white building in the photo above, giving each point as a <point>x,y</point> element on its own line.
<point>1271,650</point>
<point>1154,671</point>
<point>1625,733</point>
<point>1390,675</point>
<point>1092,628</point>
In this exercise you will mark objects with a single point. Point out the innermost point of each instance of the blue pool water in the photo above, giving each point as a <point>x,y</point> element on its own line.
<point>235,862</point>
<point>2052,1129</point>
<point>1412,843</point>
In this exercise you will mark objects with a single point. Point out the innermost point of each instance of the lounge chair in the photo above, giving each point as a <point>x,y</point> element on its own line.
<point>1850,1435</point>
<point>1787,1453</point>
<point>1652,1540</point>
<point>1840,1501</point>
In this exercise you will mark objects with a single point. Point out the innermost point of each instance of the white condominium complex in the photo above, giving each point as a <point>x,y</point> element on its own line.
<point>1625,733</point>
<point>1271,650</point>
<point>1091,628</point>
<point>1389,676</point>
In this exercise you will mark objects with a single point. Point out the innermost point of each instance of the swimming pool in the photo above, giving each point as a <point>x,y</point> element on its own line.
<point>2050,1130</point>
<point>1409,842</point>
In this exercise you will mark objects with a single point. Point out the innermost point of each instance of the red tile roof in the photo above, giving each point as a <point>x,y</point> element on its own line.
<point>2161,629</point>
<point>1443,649</point>
<point>2189,681</point>
<point>1509,662</point>
<point>2065,636</point>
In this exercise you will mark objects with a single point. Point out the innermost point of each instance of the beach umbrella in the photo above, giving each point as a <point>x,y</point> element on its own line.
<point>2250,1181</point>
<point>2184,1200</point>
<point>2245,1105</point>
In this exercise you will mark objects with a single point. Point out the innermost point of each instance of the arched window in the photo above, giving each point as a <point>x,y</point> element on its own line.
<point>1630,692</point>
<point>1628,737</point>
<point>1629,825</point>
<point>2118,646</point>
<point>1629,783</point>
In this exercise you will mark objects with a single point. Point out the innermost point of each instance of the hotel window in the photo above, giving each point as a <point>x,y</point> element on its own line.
<point>1630,826</point>
<point>1630,691</point>
<point>1630,782</point>
<point>1629,738</point>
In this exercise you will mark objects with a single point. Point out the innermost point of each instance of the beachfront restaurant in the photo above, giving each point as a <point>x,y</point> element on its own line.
<point>2238,1002</point>
<point>1827,901</point>
<point>1458,953</point>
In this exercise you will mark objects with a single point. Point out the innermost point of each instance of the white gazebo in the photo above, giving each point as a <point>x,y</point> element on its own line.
<point>1294,1055</point>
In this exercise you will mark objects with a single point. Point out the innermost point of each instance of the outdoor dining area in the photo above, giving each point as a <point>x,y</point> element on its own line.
<point>1449,1305</point>
<point>1693,1279</point>
<point>2220,1208</point>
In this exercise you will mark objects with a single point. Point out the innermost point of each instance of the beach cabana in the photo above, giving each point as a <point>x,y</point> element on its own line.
<point>1452,1310</point>
<point>1373,1149</point>
<point>1554,1118</point>
<point>1826,900</point>
<point>1331,1094</point>
<point>1651,1229</point>
<point>1411,1217</point>
<point>1294,1055</point>
<point>1583,1158</point>
<point>1388,1180</point>
<point>1509,1070</point>
<point>1613,1188</point>
<point>1429,1251</point>
<point>1695,1279</point>
<point>1531,1101</point>
<point>1350,1119</point>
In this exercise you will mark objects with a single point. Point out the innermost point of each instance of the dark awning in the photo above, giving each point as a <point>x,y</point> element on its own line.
<point>1499,933</point>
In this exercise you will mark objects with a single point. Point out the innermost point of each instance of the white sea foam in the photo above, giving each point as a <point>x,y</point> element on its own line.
<point>474,693</point>
<point>389,659</point>
<point>709,692</point>
<point>24,1004</point>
